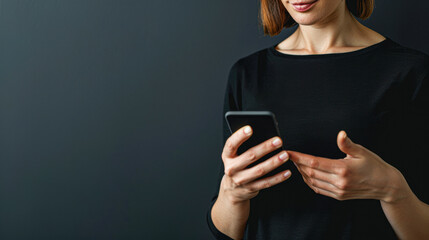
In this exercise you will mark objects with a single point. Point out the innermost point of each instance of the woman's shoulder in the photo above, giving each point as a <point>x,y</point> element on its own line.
<point>251,58</point>
<point>407,55</point>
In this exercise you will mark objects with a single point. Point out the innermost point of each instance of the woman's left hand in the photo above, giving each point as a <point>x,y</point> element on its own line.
<point>362,174</point>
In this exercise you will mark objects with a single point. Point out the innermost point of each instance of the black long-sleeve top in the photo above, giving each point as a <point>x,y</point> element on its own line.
<point>379,95</point>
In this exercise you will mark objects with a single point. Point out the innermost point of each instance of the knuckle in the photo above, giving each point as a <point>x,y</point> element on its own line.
<point>224,157</point>
<point>311,173</point>
<point>260,170</point>
<point>266,184</point>
<point>343,171</point>
<point>343,184</point>
<point>249,190</point>
<point>251,156</point>
<point>274,161</point>
<point>228,171</point>
<point>229,145</point>
<point>238,182</point>
<point>313,163</point>
<point>339,184</point>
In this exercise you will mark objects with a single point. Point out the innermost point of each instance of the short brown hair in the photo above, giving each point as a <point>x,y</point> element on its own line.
<point>274,16</point>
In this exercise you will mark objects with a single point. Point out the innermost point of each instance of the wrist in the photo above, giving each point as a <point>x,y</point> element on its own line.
<point>237,212</point>
<point>398,189</point>
<point>226,196</point>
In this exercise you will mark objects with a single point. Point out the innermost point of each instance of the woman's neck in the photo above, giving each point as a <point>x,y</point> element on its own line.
<point>339,32</point>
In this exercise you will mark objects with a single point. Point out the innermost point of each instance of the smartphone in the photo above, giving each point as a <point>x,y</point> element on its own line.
<point>264,125</point>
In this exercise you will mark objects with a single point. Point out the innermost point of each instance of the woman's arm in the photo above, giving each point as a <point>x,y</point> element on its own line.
<point>408,215</point>
<point>362,174</point>
<point>230,217</point>
<point>239,184</point>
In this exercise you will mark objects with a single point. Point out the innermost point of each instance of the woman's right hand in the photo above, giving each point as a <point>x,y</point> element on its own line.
<point>239,183</point>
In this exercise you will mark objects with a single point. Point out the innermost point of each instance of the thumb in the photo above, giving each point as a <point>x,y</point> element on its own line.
<point>346,145</point>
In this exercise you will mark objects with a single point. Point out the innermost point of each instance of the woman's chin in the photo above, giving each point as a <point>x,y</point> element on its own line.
<point>306,21</point>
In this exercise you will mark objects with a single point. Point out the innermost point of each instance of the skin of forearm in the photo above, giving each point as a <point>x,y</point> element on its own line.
<point>230,218</point>
<point>408,216</point>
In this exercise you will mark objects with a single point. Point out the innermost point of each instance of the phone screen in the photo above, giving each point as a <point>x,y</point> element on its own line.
<point>264,126</point>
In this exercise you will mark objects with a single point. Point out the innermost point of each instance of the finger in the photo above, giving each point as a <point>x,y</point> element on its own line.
<point>322,185</point>
<point>327,193</point>
<point>336,189</point>
<point>347,146</point>
<point>317,174</point>
<point>304,176</point>
<point>250,174</point>
<point>319,190</point>
<point>235,140</point>
<point>254,153</point>
<point>268,181</point>
<point>334,182</point>
<point>320,163</point>
<point>300,171</point>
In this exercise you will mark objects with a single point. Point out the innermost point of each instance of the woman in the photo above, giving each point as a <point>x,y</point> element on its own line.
<point>331,76</point>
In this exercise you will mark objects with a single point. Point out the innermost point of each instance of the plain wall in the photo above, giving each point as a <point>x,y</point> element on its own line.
<point>111,111</point>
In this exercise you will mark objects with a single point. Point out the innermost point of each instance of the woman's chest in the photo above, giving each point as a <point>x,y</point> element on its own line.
<point>312,109</point>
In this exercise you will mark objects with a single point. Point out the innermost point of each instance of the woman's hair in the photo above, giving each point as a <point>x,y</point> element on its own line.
<point>274,16</point>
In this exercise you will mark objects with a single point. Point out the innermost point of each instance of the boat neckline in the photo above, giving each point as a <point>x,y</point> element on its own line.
<point>369,48</point>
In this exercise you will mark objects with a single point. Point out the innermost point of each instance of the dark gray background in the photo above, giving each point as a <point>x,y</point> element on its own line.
<point>111,111</point>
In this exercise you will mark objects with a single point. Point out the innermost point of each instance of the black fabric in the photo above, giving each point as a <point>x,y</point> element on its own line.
<point>379,95</point>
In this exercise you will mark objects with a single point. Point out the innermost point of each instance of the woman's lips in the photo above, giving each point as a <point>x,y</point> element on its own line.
<point>303,6</point>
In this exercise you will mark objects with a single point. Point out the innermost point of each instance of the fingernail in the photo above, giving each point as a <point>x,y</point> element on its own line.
<point>345,135</point>
<point>283,156</point>
<point>247,130</point>
<point>286,174</point>
<point>276,142</point>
